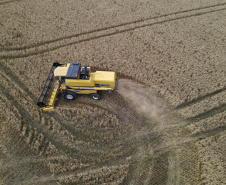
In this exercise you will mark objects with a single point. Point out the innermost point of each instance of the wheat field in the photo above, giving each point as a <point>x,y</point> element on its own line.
<point>164,125</point>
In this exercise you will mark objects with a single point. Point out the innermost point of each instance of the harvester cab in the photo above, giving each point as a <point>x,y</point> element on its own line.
<point>73,79</point>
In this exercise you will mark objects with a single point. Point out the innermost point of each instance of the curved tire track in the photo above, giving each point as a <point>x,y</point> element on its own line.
<point>34,123</point>
<point>69,151</point>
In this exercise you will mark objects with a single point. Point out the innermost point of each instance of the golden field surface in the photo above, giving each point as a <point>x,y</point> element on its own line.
<point>164,125</point>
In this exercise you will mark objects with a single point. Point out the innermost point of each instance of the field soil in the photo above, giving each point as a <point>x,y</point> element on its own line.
<point>164,125</point>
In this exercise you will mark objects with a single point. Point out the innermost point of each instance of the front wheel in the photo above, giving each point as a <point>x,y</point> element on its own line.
<point>95,96</point>
<point>69,95</point>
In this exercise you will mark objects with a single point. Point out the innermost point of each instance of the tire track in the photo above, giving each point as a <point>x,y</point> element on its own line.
<point>56,178</point>
<point>5,163</point>
<point>69,151</point>
<point>208,113</point>
<point>92,35</point>
<point>106,28</point>
<point>6,2</point>
<point>29,120</point>
<point>183,105</point>
<point>35,124</point>
<point>81,155</point>
<point>168,145</point>
<point>65,125</point>
<point>158,150</point>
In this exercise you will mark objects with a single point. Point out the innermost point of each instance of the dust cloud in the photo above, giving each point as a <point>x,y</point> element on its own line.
<point>142,99</point>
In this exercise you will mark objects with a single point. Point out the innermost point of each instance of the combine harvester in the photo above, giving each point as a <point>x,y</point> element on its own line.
<point>73,79</point>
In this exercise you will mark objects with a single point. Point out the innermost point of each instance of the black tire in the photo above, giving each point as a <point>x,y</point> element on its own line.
<point>69,95</point>
<point>95,96</point>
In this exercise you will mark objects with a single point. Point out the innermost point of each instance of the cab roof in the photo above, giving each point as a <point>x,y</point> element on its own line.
<point>73,71</point>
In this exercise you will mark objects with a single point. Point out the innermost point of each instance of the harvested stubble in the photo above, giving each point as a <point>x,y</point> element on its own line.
<point>184,165</point>
<point>212,159</point>
<point>18,147</point>
<point>106,174</point>
<point>9,113</point>
<point>65,164</point>
<point>86,115</point>
<point>35,140</point>
<point>97,126</point>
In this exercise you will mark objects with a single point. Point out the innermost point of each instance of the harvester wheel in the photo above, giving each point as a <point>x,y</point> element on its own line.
<point>69,95</point>
<point>95,96</point>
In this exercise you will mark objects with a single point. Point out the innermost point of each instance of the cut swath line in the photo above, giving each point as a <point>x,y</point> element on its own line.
<point>111,31</point>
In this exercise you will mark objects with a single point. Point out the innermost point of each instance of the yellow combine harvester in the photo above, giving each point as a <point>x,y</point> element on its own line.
<point>73,79</point>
